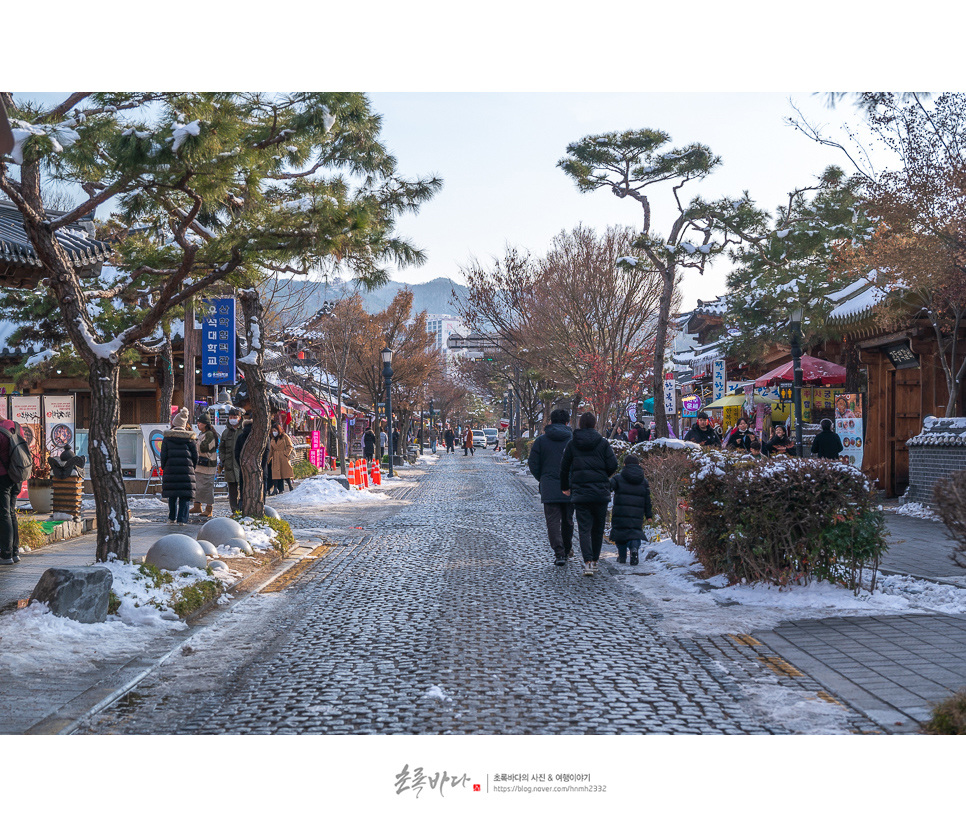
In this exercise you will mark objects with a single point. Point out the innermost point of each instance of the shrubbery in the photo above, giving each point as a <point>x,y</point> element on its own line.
<point>668,469</point>
<point>304,469</point>
<point>948,717</point>
<point>785,521</point>
<point>31,534</point>
<point>950,497</point>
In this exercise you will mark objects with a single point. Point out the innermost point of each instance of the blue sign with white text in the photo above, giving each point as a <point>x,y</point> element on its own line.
<point>217,341</point>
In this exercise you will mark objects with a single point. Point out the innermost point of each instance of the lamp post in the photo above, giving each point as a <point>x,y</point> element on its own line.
<point>386,354</point>
<point>797,313</point>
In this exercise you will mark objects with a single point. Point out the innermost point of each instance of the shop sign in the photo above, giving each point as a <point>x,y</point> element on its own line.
<point>217,341</point>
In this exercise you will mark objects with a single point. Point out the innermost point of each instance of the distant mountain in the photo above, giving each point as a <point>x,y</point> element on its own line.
<point>435,297</point>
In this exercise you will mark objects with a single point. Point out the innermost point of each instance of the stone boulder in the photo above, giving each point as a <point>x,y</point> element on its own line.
<point>176,550</point>
<point>219,530</point>
<point>80,594</point>
<point>270,512</point>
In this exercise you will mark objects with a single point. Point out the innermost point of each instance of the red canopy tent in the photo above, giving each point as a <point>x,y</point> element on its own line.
<point>320,407</point>
<point>814,372</point>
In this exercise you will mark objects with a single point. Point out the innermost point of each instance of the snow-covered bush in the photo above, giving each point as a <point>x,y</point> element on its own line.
<point>950,497</point>
<point>785,521</point>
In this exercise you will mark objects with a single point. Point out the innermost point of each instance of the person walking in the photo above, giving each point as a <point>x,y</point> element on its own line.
<point>544,462</point>
<point>585,470</point>
<point>226,456</point>
<point>702,433</point>
<point>827,444</point>
<point>383,441</point>
<point>369,444</point>
<point>179,456</point>
<point>206,467</point>
<point>450,437</point>
<point>468,442</point>
<point>632,504</point>
<point>280,449</point>
<point>434,438</point>
<point>9,490</point>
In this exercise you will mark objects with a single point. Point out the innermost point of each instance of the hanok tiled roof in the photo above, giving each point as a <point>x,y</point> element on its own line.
<point>19,264</point>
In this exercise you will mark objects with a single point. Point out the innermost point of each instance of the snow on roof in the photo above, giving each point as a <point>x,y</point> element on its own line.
<point>847,292</point>
<point>859,306</point>
<point>7,329</point>
<point>948,431</point>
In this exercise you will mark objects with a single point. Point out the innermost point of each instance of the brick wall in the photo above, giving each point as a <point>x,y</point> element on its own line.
<point>928,464</point>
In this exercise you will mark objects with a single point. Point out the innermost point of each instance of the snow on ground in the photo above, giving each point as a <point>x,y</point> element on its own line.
<point>915,510</point>
<point>319,491</point>
<point>692,606</point>
<point>796,711</point>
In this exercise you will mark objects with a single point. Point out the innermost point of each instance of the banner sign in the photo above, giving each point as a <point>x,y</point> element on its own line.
<point>59,422</point>
<point>217,341</point>
<point>691,405</point>
<point>26,412</point>
<point>670,395</point>
<point>719,378</point>
<point>849,429</point>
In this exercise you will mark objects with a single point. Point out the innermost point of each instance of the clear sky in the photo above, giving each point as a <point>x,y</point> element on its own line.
<point>497,155</point>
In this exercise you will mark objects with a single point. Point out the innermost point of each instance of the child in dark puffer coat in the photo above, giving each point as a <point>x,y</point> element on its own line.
<point>632,504</point>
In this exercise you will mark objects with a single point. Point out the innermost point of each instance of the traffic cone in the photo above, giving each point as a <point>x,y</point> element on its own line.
<point>350,472</point>
<point>366,483</point>
<point>378,473</point>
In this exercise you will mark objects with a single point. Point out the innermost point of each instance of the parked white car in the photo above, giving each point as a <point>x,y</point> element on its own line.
<point>479,439</point>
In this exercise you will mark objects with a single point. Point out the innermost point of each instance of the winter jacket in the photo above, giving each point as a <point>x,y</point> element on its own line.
<point>450,437</point>
<point>827,444</point>
<point>585,469</point>
<point>468,438</point>
<point>179,456</point>
<point>369,443</point>
<point>703,437</point>
<point>13,428</point>
<point>740,440</point>
<point>632,504</point>
<point>279,451</point>
<point>544,462</point>
<point>207,450</point>
<point>777,446</point>
<point>226,453</point>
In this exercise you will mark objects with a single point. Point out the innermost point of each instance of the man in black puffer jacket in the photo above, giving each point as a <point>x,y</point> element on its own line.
<point>585,470</point>
<point>632,504</point>
<point>827,444</point>
<point>544,462</point>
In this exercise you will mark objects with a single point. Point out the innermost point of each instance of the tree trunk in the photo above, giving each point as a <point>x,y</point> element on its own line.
<point>166,364</point>
<point>113,525</point>
<point>253,477</point>
<point>660,342</point>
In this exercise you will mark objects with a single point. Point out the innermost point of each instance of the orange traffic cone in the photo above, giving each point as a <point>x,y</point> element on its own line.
<point>350,472</point>
<point>366,483</point>
<point>376,473</point>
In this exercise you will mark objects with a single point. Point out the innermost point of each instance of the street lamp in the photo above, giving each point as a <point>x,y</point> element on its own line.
<point>797,314</point>
<point>386,354</point>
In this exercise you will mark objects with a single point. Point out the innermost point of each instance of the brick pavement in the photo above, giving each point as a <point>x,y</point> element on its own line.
<point>449,617</point>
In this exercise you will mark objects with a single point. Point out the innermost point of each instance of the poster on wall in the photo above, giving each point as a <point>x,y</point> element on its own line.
<point>848,406</point>
<point>59,422</point>
<point>26,412</point>
<point>849,430</point>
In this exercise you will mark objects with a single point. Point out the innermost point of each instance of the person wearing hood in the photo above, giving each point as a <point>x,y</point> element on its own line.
<point>739,440</point>
<point>544,462</point>
<point>226,456</point>
<point>632,504</point>
<point>369,444</point>
<point>585,470</point>
<point>179,456</point>
<point>827,444</point>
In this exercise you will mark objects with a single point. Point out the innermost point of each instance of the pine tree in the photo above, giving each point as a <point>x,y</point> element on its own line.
<point>212,187</point>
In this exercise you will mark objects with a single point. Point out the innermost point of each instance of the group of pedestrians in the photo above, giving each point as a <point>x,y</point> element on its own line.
<point>190,461</point>
<point>578,472</point>
<point>743,439</point>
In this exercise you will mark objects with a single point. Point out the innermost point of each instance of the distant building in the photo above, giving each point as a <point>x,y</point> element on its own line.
<point>441,326</point>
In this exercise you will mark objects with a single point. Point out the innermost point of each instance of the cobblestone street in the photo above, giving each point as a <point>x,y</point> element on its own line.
<point>448,615</point>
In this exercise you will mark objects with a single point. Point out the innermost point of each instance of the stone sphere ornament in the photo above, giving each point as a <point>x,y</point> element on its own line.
<point>174,551</point>
<point>217,564</point>
<point>208,547</point>
<point>270,512</point>
<point>219,530</point>
<point>242,545</point>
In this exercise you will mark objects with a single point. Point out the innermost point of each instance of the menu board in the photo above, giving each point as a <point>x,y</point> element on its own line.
<point>849,430</point>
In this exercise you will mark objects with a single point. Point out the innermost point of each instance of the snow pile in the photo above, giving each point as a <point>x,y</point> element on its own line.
<point>670,583</point>
<point>796,711</point>
<point>319,490</point>
<point>436,692</point>
<point>915,510</point>
<point>258,534</point>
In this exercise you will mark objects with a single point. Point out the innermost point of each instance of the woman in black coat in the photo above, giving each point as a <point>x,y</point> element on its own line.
<point>179,457</point>
<point>585,470</point>
<point>741,436</point>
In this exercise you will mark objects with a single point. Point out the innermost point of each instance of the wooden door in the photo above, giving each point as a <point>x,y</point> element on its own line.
<point>905,422</point>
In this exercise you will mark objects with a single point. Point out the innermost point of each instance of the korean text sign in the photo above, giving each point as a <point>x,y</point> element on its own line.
<point>217,341</point>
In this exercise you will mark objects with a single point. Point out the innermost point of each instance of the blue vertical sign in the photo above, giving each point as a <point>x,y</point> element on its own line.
<point>217,341</point>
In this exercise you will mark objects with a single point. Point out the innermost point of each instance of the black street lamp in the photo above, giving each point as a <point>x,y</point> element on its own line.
<point>797,313</point>
<point>386,354</point>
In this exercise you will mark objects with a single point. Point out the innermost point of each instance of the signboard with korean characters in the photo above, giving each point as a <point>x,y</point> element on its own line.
<point>59,422</point>
<point>691,405</point>
<point>217,341</point>
<point>670,395</point>
<point>316,450</point>
<point>849,430</point>
<point>719,379</point>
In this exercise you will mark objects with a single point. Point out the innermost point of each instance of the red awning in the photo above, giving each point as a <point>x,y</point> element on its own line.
<point>313,403</point>
<point>814,371</point>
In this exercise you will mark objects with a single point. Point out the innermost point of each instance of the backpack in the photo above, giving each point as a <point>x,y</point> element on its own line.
<point>21,464</point>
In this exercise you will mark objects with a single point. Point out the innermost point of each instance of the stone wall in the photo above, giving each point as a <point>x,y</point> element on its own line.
<point>935,453</point>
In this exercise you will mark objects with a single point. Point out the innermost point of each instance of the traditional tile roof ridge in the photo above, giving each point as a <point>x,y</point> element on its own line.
<point>77,239</point>
<point>858,301</point>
